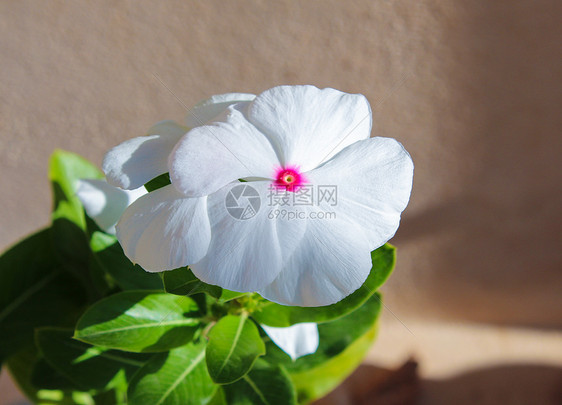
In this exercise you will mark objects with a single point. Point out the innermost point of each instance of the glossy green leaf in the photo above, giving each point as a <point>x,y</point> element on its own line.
<point>262,386</point>
<point>227,295</point>
<point>234,345</point>
<point>22,366</point>
<point>69,236</point>
<point>111,397</point>
<point>21,369</point>
<point>87,366</point>
<point>182,281</point>
<point>335,337</point>
<point>139,321</point>
<point>317,382</point>
<point>343,344</point>
<point>179,377</point>
<point>158,182</point>
<point>47,378</point>
<point>383,260</point>
<point>34,292</point>
<point>109,256</point>
<point>219,397</point>
<point>65,169</point>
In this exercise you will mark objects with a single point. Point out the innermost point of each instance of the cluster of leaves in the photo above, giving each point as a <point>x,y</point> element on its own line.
<point>79,323</point>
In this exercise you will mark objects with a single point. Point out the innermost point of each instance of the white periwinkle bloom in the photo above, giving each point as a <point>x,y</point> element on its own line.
<point>287,143</point>
<point>297,340</point>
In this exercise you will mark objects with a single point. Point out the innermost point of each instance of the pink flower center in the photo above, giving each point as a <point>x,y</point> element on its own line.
<point>289,178</point>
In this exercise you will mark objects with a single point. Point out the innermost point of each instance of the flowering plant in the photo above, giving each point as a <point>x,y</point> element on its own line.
<point>234,260</point>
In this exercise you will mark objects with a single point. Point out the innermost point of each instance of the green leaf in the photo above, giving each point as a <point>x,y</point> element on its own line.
<point>218,398</point>
<point>158,182</point>
<point>179,377</point>
<point>262,386</point>
<point>334,337</point>
<point>21,366</point>
<point>182,281</point>
<point>227,295</point>
<point>65,169</point>
<point>342,346</point>
<point>69,221</point>
<point>89,367</point>
<point>234,345</point>
<point>34,292</point>
<point>139,321</point>
<point>111,397</point>
<point>317,382</point>
<point>272,314</point>
<point>45,377</point>
<point>109,256</point>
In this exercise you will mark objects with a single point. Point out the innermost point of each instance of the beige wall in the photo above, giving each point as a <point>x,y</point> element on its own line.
<point>471,88</point>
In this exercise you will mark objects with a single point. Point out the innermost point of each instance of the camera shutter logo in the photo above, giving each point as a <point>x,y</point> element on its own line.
<point>242,202</point>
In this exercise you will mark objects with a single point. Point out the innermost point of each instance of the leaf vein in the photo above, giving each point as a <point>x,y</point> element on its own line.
<point>189,322</point>
<point>234,341</point>
<point>28,293</point>
<point>256,389</point>
<point>188,370</point>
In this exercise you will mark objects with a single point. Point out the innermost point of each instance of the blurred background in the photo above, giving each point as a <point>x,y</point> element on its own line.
<point>472,89</point>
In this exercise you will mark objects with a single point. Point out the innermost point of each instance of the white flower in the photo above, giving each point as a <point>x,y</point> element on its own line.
<point>287,139</point>
<point>296,340</point>
<point>104,203</point>
<point>165,220</point>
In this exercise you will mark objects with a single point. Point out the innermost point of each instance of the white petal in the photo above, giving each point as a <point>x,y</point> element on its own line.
<point>332,260</point>
<point>136,161</point>
<point>297,340</point>
<point>164,230</point>
<point>308,125</point>
<point>374,182</point>
<point>104,203</point>
<point>211,156</point>
<point>210,108</point>
<point>246,254</point>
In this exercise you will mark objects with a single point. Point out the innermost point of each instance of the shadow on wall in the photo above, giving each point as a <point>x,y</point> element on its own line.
<point>507,385</point>
<point>486,247</point>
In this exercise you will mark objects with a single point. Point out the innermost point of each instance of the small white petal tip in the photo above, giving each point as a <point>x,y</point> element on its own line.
<point>297,340</point>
